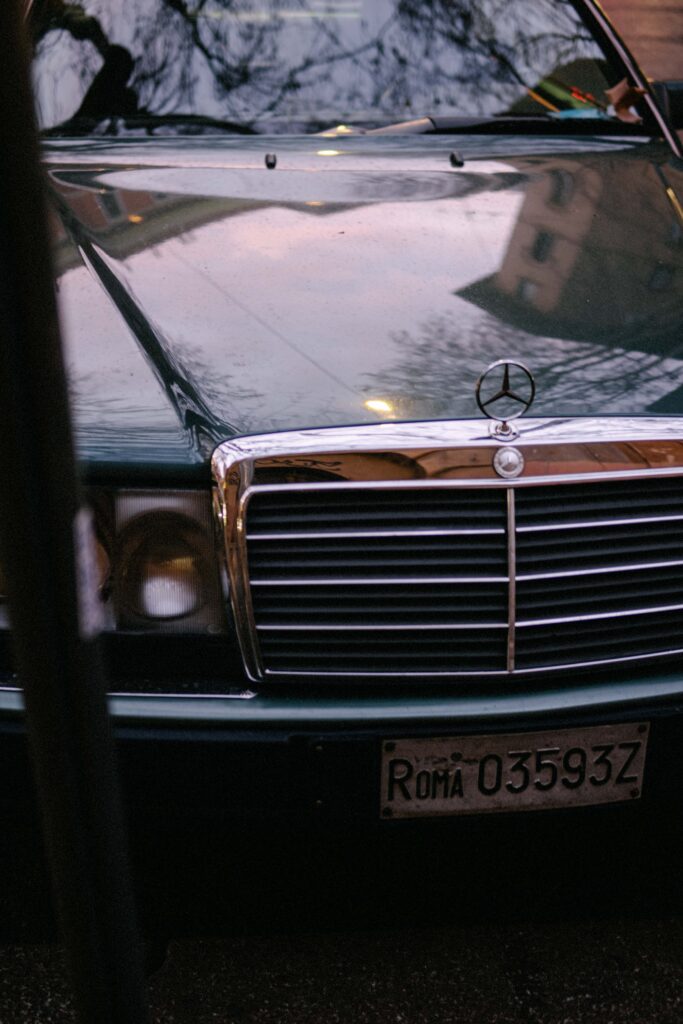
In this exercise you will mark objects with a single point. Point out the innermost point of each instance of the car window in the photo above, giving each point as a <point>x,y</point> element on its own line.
<point>291,65</point>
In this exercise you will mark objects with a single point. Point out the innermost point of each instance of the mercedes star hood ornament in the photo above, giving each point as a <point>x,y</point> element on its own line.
<point>504,392</point>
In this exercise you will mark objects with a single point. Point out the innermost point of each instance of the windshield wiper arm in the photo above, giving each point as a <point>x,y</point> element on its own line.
<point>512,124</point>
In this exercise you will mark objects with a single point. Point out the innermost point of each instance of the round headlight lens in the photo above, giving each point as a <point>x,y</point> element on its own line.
<point>163,567</point>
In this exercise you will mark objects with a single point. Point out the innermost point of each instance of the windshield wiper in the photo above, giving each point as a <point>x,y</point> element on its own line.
<point>150,124</point>
<point>513,124</point>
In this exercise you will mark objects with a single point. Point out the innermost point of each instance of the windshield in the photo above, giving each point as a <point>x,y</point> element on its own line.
<point>305,65</point>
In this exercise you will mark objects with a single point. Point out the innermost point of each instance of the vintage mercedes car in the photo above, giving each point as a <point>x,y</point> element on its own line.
<point>372,313</point>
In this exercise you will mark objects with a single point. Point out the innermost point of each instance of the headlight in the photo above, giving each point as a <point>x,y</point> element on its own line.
<point>165,569</point>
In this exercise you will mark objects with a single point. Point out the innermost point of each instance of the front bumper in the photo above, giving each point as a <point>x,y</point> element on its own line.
<point>298,757</point>
<point>265,812</point>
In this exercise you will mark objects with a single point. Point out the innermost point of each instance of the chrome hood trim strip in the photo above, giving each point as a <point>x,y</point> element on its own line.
<point>470,433</point>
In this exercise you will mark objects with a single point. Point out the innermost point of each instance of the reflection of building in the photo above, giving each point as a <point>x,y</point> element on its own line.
<point>129,220</point>
<point>546,243</point>
<point>583,264</point>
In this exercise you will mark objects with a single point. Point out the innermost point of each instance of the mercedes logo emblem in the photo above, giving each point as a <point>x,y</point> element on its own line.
<point>508,462</point>
<point>504,392</point>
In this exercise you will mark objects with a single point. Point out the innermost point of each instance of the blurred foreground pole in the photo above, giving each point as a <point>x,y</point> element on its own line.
<point>54,607</point>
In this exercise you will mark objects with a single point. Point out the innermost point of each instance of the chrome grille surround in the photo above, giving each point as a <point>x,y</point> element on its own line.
<point>428,459</point>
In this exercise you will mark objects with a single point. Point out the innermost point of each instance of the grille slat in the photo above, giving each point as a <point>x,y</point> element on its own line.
<point>354,510</point>
<point>369,557</point>
<point>395,627</point>
<point>414,581</point>
<point>558,644</point>
<point>304,605</point>
<point>622,591</point>
<point>412,652</point>
<point>573,573</point>
<point>620,499</point>
<point>388,581</point>
<point>596,616</point>
<point>598,547</point>
<point>372,534</point>
<point>599,523</point>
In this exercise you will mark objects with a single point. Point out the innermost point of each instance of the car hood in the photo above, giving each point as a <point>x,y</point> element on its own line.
<point>204,294</point>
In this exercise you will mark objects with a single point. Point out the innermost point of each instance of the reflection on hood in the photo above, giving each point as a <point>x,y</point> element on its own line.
<point>365,282</point>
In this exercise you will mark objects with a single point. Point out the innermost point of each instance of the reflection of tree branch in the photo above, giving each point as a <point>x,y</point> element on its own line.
<point>461,55</point>
<point>441,366</point>
<point>395,63</point>
<point>292,83</point>
<point>47,15</point>
<point>228,76</point>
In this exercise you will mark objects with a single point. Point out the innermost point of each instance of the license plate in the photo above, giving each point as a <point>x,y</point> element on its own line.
<point>517,772</point>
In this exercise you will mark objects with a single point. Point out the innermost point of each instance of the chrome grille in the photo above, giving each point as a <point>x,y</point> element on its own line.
<point>600,571</point>
<point>440,580</point>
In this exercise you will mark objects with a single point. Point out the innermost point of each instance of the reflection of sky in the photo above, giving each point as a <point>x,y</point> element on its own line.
<point>289,303</point>
<point>109,379</point>
<point>61,76</point>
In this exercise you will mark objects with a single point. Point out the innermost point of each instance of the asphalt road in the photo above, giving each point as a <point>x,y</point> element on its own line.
<point>563,919</point>
<point>613,971</point>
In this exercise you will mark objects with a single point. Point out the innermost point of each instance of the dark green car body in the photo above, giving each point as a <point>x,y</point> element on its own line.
<point>219,287</point>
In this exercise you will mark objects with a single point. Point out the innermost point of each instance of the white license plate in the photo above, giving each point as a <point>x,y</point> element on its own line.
<point>517,772</point>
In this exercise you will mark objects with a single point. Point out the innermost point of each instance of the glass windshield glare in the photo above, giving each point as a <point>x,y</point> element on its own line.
<point>303,65</point>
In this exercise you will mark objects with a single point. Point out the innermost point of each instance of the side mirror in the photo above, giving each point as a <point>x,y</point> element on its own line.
<point>669,95</point>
